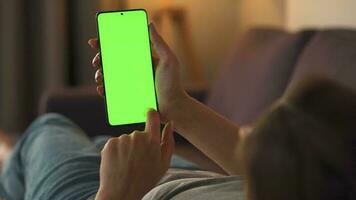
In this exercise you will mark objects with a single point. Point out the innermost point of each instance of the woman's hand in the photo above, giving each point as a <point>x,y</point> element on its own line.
<point>168,85</point>
<point>131,165</point>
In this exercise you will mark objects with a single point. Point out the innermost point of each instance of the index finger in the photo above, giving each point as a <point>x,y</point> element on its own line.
<point>153,125</point>
<point>94,43</point>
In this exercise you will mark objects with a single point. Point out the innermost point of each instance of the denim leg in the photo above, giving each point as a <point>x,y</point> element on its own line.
<point>54,160</point>
<point>100,141</point>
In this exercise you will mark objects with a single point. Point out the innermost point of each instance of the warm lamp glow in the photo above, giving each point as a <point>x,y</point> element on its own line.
<point>166,3</point>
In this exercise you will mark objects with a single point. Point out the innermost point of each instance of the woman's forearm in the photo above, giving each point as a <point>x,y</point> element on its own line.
<point>214,135</point>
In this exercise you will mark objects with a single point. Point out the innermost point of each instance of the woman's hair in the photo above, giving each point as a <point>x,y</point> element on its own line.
<point>304,147</point>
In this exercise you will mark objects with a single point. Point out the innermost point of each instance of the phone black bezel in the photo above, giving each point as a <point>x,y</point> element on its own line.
<point>133,125</point>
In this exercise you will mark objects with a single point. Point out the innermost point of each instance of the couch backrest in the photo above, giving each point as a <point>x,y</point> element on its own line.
<point>257,74</point>
<point>331,53</point>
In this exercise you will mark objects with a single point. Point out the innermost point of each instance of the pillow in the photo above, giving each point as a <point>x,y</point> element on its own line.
<point>257,74</point>
<point>332,54</point>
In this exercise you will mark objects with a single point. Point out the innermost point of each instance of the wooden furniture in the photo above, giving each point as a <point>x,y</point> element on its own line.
<point>192,72</point>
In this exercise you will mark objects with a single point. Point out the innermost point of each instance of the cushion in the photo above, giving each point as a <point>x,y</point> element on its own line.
<point>257,74</point>
<point>331,53</point>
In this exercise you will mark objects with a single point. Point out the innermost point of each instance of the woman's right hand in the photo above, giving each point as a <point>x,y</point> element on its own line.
<point>167,83</point>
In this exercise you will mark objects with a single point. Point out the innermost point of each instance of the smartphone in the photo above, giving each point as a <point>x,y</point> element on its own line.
<point>127,66</point>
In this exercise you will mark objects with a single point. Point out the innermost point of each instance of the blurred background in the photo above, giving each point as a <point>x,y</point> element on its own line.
<point>44,42</point>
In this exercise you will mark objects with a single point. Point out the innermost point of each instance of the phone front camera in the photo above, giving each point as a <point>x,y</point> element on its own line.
<point>122,13</point>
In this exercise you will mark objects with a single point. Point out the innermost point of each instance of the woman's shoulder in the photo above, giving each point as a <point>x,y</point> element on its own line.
<point>208,187</point>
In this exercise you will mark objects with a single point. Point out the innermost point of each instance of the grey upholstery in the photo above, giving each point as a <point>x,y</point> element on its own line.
<point>257,74</point>
<point>265,63</point>
<point>331,53</point>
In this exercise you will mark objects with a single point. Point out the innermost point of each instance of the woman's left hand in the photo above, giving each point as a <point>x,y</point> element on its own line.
<point>131,165</point>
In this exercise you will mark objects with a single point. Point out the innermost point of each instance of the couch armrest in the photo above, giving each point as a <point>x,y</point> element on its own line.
<point>200,95</point>
<point>87,109</point>
<point>84,107</point>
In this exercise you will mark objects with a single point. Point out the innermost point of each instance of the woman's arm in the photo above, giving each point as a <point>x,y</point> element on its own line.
<point>211,133</point>
<point>214,135</point>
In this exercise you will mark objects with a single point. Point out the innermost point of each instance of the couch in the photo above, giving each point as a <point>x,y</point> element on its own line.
<point>264,64</point>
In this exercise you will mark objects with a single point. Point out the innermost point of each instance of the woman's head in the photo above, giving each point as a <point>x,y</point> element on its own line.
<point>304,147</point>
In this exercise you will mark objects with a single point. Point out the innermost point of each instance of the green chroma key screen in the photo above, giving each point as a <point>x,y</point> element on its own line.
<point>127,66</point>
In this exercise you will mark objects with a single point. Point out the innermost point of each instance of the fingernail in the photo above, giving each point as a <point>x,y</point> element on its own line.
<point>90,42</point>
<point>148,110</point>
<point>151,110</point>
<point>169,125</point>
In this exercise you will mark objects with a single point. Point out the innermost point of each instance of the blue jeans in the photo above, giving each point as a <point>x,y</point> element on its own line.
<point>56,160</point>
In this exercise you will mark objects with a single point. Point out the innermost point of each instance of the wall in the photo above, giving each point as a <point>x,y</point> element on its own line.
<point>253,13</point>
<point>215,25</point>
<point>212,25</point>
<point>320,13</point>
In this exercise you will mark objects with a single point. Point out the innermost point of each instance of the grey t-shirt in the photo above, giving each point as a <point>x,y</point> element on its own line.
<point>197,185</point>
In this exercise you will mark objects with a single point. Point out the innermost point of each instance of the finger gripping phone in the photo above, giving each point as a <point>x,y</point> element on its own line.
<point>127,66</point>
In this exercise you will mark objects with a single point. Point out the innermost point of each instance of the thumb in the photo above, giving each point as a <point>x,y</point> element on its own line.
<point>167,145</point>
<point>159,44</point>
<point>153,125</point>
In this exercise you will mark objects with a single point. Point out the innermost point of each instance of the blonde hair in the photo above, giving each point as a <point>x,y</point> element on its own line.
<point>304,147</point>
